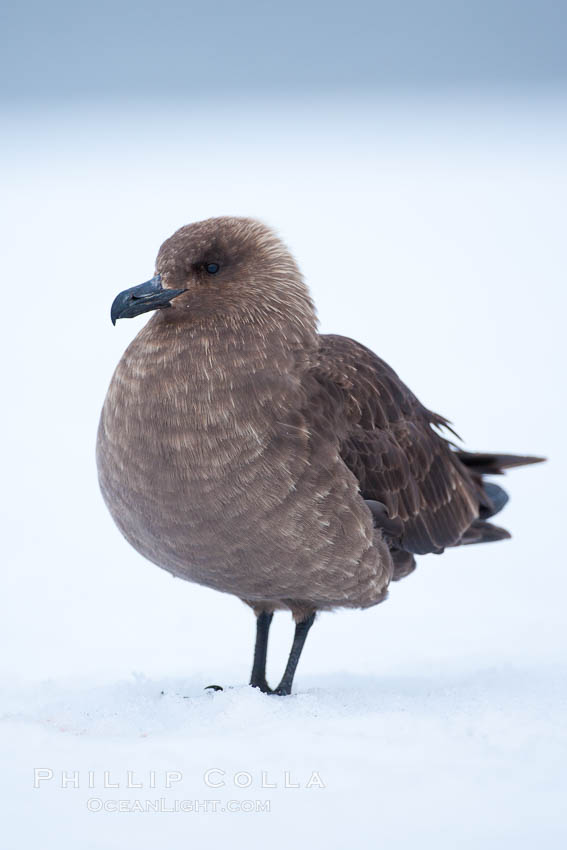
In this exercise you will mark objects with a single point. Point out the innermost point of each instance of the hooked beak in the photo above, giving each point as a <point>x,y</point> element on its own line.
<point>141,299</point>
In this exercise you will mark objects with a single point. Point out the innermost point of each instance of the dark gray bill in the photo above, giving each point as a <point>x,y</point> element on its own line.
<point>141,299</point>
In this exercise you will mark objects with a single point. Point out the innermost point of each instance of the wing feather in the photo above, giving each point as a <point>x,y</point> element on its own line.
<point>388,441</point>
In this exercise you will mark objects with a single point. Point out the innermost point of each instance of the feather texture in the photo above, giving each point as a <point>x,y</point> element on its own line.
<point>389,442</point>
<point>240,449</point>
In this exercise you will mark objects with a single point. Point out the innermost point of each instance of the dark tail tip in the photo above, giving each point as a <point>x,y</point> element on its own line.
<point>520,460</point>
<point>494,464</point>
<point>484,532</point>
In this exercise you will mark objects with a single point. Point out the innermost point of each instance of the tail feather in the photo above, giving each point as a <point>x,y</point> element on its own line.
<point>484,532</point>
<point>492,497</point>
<point>494,464</point>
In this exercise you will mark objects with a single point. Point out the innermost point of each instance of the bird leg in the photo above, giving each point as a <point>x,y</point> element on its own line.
<point>258,677</point>
<point>301,632</point>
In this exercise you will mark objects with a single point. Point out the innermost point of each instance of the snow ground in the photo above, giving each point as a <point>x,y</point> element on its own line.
<point>438,717</point>
<point>472,758</point>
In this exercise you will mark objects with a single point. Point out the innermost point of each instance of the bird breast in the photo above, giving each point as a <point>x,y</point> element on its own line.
<point>209,467</point>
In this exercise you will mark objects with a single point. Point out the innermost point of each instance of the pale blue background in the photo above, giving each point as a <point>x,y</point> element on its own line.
<point>64,50</point>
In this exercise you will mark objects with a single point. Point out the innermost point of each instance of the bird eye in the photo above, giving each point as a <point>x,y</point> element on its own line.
<point>212,268</point>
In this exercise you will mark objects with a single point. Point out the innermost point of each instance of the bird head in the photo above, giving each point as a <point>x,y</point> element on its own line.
<point>227,270</point>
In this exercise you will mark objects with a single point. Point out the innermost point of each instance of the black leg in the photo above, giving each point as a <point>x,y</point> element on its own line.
<point>258,677</point>
<point>301,632</point>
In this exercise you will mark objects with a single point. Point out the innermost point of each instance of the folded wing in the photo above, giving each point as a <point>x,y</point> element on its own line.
<point>388,441</point>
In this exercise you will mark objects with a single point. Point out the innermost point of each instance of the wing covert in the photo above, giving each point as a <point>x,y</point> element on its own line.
<point>388,442</point>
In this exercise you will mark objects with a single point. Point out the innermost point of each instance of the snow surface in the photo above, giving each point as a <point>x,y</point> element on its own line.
<point>434,232</point>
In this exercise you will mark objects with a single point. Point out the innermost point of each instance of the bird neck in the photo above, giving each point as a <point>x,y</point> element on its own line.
<point>252,343</point>
<point>215,371</point>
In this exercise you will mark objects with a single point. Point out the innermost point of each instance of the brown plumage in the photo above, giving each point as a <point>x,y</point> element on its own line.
<point>240,449</point>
